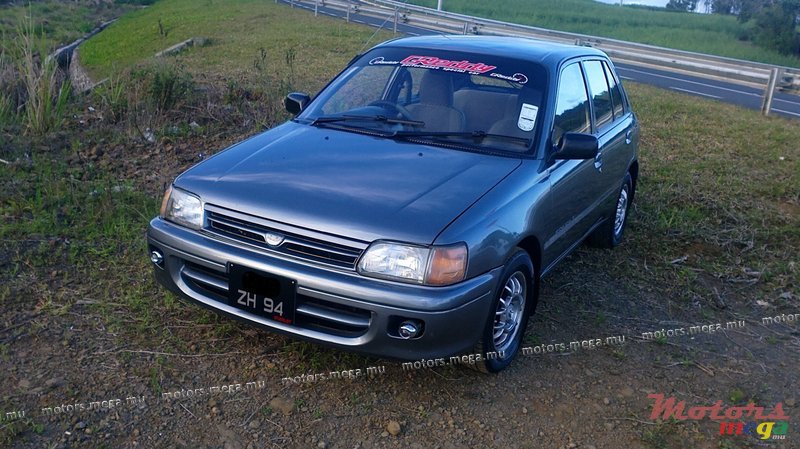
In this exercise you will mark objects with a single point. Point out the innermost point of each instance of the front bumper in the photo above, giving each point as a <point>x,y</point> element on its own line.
<point>335,307</point>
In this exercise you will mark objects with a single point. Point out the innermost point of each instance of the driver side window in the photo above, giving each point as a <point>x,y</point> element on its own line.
<point>365,87</point>
<point>572,104</point>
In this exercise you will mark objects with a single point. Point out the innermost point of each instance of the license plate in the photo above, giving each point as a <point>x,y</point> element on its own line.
<point>261,293</point>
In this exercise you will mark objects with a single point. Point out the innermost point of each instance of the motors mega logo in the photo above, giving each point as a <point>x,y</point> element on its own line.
<point>732,420</point>
<point>764,430</point>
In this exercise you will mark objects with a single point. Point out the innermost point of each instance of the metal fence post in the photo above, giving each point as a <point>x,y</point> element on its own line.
<point>291,3</point>
<point>766,105</point>
<point>316,7</point>
<point>466,27</point>
<point>348,11</point>
<point>396,14</point>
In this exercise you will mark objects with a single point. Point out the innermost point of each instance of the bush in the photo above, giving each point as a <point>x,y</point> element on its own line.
<point>745,33</point>
<point>775,27</point>
<point>150,93</point>
<point>113,98</point>
<point>165,86</point>
<point>169,86</point>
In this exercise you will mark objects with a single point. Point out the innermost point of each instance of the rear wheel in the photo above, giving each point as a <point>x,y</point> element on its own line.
<point>609,234</point>
<point>508,316</point>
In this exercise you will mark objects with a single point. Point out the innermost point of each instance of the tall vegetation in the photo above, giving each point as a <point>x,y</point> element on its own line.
<point>771,23</point>
<point>7,103</point>
<point>41,93</point>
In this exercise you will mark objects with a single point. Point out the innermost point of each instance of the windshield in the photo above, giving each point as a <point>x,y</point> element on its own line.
<point>452,98</point>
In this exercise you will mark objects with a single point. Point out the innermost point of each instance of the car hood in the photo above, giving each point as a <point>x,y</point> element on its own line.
<point>347,184</point>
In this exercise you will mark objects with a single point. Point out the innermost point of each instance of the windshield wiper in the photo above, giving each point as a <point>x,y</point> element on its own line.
<point>477,135</point>
<point>361,118</point>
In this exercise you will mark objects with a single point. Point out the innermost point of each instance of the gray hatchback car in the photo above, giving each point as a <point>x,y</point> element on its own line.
<point>410,209</point>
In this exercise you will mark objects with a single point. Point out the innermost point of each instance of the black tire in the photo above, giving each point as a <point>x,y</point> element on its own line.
<point>518,266</point>
<point>610,233</point>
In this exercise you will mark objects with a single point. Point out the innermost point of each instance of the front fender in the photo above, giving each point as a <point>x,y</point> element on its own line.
<point>496,224</point>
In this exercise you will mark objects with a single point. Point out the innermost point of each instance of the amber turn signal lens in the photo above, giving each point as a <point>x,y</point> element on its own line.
<point>165,200</point>
<point>448,265</point>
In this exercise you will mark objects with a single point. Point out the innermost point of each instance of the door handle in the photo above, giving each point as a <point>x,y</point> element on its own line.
<point>628,137</point>
<point>598,161</point>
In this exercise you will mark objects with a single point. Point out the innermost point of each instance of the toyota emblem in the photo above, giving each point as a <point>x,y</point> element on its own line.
<point>273,239</point>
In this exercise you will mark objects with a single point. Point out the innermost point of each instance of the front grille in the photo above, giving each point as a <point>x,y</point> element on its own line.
<point>249,231</point>
<point>311,313</point>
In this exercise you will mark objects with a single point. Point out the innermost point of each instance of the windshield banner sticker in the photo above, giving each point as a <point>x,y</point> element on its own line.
<point>517,77</point>
<point>527,117</point>
<point>431,62</point>
<point>380,61</point>
<point>463,66</point>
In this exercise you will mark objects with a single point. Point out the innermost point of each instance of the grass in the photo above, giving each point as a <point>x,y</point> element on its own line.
<point>76,225</point>
<point>245,36</point>
<point>703,33</point>
<point>720,185</point>
<point>61,21</point>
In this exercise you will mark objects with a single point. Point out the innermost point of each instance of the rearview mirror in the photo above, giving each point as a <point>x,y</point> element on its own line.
<point>295,102</point>
<point>577,146</point>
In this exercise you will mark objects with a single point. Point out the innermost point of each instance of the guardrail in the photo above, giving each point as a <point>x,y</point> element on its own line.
<point>732,70</point>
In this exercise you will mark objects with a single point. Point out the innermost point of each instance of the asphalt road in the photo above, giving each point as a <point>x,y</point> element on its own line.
<point>783,104</point>
<point>787,105</point>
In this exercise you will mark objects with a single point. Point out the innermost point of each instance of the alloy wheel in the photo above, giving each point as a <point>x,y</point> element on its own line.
<point>510,309</point>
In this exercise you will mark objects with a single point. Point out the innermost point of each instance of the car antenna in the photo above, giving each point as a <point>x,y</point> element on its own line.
<point>376,32</point>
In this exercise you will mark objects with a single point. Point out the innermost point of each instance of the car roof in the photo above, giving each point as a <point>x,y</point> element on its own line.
<point>547,53</point>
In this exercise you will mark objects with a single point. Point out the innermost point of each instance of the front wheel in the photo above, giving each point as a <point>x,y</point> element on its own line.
<point>508,316</point>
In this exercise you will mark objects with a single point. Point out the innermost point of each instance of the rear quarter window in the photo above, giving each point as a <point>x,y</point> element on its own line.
<point>601,97</point>
<point>616,95</point>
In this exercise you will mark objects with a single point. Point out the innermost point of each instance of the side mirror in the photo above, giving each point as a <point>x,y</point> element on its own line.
<point>295,102</point>
<point>577,146</point>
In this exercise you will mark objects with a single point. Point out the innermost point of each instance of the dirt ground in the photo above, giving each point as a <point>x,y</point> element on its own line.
<point>587,399</point>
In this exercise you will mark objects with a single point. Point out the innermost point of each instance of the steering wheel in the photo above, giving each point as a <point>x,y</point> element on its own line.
<point>400,111</point>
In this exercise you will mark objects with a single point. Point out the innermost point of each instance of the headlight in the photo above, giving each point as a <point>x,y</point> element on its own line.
<point>435,265</point>
<point>182,208</point>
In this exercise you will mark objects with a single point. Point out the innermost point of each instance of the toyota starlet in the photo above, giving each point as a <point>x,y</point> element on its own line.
<point>410,209</point>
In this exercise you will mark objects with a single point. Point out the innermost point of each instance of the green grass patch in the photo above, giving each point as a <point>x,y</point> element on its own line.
<point>82,204</point>
<point>62,22</point>
<point>718,185</point>
<point>704,33</point>
<point>244,36</point>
